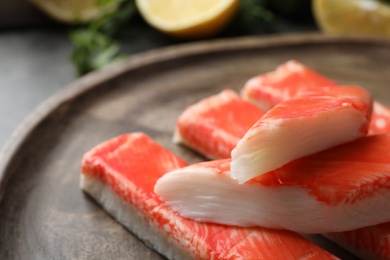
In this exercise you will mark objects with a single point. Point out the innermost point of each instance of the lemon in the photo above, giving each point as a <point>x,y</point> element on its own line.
<point>363,17</point>
<point>73,11</point>
<point>188,18</point>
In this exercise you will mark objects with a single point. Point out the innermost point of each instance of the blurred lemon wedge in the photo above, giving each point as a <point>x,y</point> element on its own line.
<point>363,17</point>
<point>188,18</point>
<point>73,11</point>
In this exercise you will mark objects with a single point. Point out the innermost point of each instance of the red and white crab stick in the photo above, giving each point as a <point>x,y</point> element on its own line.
<point>210,126</point>
<point>339,189</point>
<point>120,175</point>
<point>293,79</point>
<point>288,80</point>
<point>299,127</point>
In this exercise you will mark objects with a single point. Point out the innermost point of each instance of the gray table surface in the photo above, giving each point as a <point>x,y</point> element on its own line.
<point>35,62</point>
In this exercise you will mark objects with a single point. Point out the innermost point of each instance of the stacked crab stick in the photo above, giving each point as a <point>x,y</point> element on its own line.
<point>368,242</point>
<point>215,125</point>
<point>292,79</point>
<point>371,242</point>
<point>301,126</point>
<point>120,175</point>
<point>210,125</point>
<point>343,188</point>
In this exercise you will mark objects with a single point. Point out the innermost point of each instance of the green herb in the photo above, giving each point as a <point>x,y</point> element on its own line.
<point>255,10</point>
<point>95,45</point>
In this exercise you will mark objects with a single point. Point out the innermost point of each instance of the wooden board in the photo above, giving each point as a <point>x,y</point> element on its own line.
<point>43,213</point>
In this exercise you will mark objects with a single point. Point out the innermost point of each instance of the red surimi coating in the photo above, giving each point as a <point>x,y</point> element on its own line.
<point>369,243</point>
<point>287,81</point>
<point>210,125</point>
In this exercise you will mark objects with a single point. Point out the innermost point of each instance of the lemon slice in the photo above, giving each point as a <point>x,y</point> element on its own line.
<point>73,11</point>
<point>188,18</point>
<point>367,17</point>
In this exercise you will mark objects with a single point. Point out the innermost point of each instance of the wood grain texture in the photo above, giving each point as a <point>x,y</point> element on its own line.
<point>44,214</point>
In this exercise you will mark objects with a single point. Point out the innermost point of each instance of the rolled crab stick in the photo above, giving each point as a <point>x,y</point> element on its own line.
<point>293,79</point>
<point>299,127</point>
<point>339,189</point>
<point>211,125</point>
<point>120,175</point>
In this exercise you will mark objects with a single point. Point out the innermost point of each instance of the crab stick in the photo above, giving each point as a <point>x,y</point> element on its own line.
<point>210,125</point>
<point>299,127</point>
<point>293,79</point>
<point>339,189</point>
<point>120,175</point>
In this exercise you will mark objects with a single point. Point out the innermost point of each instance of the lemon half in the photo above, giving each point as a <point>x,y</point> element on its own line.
<point>363,17</point>
<point>73,11</point>
<point>188,18</point>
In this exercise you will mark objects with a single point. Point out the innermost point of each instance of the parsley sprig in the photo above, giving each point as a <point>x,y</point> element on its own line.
<point>95,44</point>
